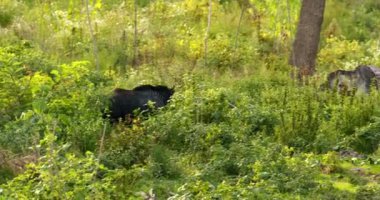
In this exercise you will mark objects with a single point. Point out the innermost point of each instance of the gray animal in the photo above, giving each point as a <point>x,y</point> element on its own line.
<point>358,80</point>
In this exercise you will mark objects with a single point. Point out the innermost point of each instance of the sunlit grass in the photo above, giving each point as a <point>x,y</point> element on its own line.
<point>345,186</point>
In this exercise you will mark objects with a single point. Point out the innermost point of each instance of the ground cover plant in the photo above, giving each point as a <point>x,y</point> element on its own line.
<point>238,126</point>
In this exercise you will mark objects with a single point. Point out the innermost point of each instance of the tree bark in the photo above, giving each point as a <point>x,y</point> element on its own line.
<point>305,46</point>
<point>208,29</point>
<point>93,37</point>
<point>135,39</point>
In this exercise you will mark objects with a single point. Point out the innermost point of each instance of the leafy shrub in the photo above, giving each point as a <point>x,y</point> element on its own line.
<point>357,25</point>
<point>5,18</point>
<point>238,129</point>
<point>223,55</point>
<point>8,11</point>
<point>162,164</point>
<point>198,117</point>
<point>367,138</point>
<point>33,92</point>
<point>24,132</point>
<point>337,52</point>
<point>125,147</point>
<point>273,171</point>
<point>369,191</point>
<point>61,175</point>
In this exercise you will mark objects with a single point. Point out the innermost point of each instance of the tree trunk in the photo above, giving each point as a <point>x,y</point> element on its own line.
<point>305,46</point>
<point>135,39</point>
<point>93,37</point>
<point>208,29</point>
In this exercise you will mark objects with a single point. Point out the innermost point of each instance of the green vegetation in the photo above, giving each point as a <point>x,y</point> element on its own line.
<point>237,127</point>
